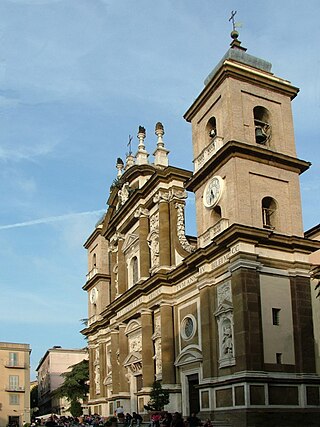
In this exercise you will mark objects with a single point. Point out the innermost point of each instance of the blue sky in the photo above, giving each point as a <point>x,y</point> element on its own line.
<point>76,78</point>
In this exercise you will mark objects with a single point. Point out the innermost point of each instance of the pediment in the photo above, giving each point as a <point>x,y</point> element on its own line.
<point>129,241</point>
<point>224,307</point>
<point>132,358</point>
<point>132,326</point>
<point>188,356</point>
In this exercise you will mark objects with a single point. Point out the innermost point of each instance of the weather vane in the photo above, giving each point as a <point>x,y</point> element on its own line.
<point>233,13</point>
<point>129,144</point>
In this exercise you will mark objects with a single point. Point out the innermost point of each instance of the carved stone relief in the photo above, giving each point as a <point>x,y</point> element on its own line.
<point>153,240</point>
<point>123,195</point>
<point>157,346</point>
<point>96,364</point>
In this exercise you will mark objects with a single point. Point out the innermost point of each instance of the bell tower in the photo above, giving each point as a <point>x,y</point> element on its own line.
<point>245,165</point>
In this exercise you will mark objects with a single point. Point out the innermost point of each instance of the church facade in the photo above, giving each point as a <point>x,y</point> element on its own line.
<point>223,320</point>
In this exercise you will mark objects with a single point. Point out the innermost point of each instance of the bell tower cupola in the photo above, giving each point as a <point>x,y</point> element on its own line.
<point>245,166</point>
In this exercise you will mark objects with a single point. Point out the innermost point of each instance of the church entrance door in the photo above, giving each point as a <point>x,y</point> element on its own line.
<point>194,401</point>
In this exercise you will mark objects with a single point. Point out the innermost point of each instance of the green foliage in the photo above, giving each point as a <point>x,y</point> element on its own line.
<point>158,398</point>
<point>75,408</point>
<point>75,385</point>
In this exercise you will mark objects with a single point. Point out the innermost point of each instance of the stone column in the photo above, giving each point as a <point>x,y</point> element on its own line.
<point>115,362</point>
<point>147,348</point>
<point>167,344</point>
<point>122,268</point>
<point>123,353</point>
<point>164,231</point>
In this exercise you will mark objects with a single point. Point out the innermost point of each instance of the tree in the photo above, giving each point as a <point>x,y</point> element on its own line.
<point>75,386</point>
<point>75,408</point>
<point>158,398</point>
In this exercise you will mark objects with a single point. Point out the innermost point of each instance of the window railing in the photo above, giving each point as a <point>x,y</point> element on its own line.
<point>92,273</point>
<point>13,364</point>
<point>206,238</point>
<point>208,152</point>
<point>15,388</point>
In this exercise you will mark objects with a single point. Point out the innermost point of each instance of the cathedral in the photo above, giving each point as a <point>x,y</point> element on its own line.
<point>223,319</point>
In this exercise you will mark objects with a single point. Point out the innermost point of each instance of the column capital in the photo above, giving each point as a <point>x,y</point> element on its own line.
<point>141,212</point>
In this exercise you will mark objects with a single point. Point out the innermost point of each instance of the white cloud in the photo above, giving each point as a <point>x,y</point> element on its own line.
<point>47,220</point>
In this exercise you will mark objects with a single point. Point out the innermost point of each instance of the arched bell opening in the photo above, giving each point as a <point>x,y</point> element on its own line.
<point>262,125</point>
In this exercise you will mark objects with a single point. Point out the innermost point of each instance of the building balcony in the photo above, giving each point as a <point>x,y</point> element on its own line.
<point>15,365</point>
<point>94,319</point>
<point>92,273</point>
<point>206,238</point>
<point>208,152</point>
<point>16,388</point>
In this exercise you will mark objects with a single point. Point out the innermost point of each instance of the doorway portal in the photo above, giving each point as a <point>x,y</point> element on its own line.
<point>194,401</point>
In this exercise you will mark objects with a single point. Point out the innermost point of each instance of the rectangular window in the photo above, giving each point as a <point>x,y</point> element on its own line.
<point>279,358</point>
<point>13,359</point>
<point>14,399</point>
<point>276,316</point>
<point>13,382</point>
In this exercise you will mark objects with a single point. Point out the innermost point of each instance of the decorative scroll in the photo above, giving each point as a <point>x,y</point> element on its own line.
<point>181,228</point>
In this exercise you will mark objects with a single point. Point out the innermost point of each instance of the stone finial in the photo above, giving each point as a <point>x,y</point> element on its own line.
<point>119,166</point>
<point>129,160</point>
<point>142,155</point>
<point>159,131</point>
<point>161,154</point>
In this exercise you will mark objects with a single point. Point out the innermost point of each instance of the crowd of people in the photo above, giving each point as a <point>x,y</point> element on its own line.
<point>157,419</point>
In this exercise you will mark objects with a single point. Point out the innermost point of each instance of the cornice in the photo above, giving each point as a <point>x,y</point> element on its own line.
<point>246,151</point>
<point>245,73</point>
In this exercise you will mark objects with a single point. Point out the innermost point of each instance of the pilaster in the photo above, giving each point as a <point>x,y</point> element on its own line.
<point>209,333</point>
<point>167,344</point>
<point>147,348</point>
<point>115,361</point>
<point>164,231</point>
<point>122,268</point>
<point>123,352</point>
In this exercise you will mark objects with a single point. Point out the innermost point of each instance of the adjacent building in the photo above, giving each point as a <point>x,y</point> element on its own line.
<point>14,384</point>
<point>55,362</point>
<point>223,319</point>
<point>314,233</point>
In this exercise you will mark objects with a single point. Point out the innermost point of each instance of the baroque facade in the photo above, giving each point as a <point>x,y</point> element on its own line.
<point>223,319</point>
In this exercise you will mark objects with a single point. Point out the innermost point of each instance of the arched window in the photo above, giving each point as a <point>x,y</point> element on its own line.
<point>269,212</point>
<point>134,270</point>
<point>94,260</point>
<point>211,129</point>
<point>262,125</point>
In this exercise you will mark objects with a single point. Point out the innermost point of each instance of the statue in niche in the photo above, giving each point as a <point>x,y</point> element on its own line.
<point>97,378</point>
<point>227,344</point>
<point>158,355</point>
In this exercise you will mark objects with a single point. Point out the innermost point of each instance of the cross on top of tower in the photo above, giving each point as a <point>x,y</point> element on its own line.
<point>233,13</point>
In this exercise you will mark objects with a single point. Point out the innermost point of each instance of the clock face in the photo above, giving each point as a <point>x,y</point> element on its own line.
<point>213,191</point>
<point>93,296</point>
